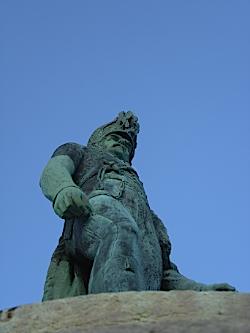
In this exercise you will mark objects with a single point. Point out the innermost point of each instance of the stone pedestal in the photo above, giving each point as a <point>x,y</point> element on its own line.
<point>138,312</point>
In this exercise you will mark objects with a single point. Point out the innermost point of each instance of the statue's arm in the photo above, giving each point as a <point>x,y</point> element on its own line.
<point>172,278</point>
<point>58,186</point>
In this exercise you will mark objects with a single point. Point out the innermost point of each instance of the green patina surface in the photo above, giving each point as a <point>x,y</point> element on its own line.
<point>112,240</point>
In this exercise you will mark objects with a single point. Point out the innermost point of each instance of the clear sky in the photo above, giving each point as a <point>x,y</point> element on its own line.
<point>183,67</point>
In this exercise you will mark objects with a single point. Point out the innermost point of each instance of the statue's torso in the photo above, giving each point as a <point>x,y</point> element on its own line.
<point>104,174</point>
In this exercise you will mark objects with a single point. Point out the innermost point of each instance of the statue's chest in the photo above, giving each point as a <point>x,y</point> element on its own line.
<point>97,171</point>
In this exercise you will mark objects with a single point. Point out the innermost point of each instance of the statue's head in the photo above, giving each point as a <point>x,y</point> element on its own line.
<point>118,137</point>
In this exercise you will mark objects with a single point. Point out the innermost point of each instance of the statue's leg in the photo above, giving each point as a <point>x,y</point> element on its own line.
<point>110,238</point>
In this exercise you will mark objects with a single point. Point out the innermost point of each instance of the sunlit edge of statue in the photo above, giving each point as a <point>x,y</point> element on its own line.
<point>112,241</point>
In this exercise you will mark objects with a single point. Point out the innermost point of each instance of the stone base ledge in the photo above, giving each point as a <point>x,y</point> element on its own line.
<point>137,312</point>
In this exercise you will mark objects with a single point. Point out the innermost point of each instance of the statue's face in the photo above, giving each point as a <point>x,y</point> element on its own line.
<point>118,145</point>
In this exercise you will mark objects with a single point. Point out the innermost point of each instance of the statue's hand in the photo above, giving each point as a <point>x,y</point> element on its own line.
<point>220,287</point>
<point>71,202</point>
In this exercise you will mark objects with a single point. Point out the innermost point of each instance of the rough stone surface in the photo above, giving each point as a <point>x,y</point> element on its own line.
<point>147,312</point>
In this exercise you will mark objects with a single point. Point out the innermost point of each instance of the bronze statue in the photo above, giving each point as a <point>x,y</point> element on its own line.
<point>112,241</point>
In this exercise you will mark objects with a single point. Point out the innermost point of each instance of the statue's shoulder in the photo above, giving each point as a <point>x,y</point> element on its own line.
<point>67,148</point>
<point>74,150</point>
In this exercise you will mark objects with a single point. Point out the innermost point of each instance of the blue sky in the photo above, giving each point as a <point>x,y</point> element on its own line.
<point>183,68</point>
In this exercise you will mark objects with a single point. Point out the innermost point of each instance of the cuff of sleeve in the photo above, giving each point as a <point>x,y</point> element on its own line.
<point>61,189</point>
